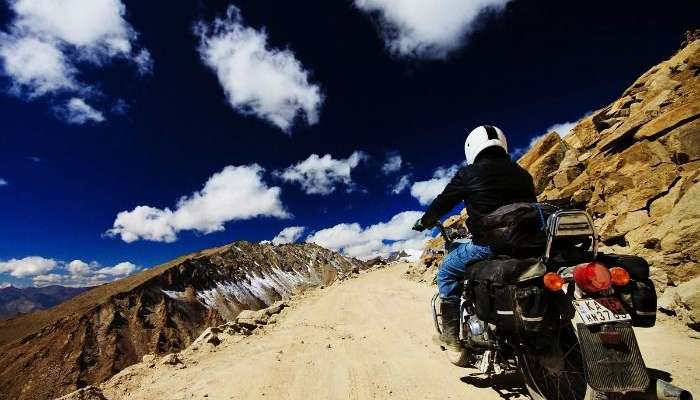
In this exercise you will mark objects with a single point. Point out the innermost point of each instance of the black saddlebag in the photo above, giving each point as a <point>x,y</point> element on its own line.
<point>640,300</point>
<point>639,295</point>
<point>637,267</point>
<point>516,230</point>
<point>508,293</point>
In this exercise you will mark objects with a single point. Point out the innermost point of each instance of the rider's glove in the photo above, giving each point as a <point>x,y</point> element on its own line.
<point>418,226</point>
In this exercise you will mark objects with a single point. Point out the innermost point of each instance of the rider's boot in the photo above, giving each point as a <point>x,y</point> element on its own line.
<point>449,309</point>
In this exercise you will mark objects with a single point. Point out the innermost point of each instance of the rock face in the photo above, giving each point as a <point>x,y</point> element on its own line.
<point>91,337</point>
<point>635,166</point>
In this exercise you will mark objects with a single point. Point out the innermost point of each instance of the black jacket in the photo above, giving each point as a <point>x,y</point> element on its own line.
<point>491,182</point>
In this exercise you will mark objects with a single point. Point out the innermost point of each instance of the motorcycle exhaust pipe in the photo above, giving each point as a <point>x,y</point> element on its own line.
<point>662,390</point>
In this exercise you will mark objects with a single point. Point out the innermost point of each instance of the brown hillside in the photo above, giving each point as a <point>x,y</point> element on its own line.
<point>98,333</point>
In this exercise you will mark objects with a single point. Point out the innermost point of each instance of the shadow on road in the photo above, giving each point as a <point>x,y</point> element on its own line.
<point>508,385</point>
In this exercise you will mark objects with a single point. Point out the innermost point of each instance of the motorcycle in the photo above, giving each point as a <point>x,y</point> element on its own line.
<point>563,320</point>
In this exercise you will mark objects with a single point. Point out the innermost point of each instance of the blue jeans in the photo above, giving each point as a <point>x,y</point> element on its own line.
<point>450,276</point>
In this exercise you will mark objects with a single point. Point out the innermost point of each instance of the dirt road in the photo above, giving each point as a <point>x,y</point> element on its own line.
<point>367,338</point>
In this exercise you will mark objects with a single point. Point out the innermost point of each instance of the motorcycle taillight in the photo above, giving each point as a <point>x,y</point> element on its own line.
<point>592,277</point>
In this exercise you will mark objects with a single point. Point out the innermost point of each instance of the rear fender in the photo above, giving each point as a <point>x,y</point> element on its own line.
<point>616,368</point>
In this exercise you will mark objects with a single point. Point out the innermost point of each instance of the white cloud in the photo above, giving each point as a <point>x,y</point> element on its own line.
<point>78,267</point>
<point>563,128</point>
<point>121,269</point>
<point>36,67</point>
<point>403,183</point>
<point>288,235</point>
<point>269,83</point>
<point>392,164</point>
<point>77,111</point>
<point>48,279</point>
<point>380,239</point>
<point>234,193</point>
<point>4,285</point>
<point>47,271</point>
<point>49,41</point>
<point>27,266</point>
<point>3,182</point>
<point>426,191</point>
<point>426,29</point>
<point>78,273</point>
<point>321,175</point>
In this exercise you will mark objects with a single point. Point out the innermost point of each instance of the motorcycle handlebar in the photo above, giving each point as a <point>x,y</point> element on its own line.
<point>443,232</point>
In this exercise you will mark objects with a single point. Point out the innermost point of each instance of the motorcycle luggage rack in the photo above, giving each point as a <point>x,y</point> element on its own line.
<point>570,224</point>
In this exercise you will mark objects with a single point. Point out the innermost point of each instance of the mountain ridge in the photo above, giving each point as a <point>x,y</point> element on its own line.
<point>99,332</point>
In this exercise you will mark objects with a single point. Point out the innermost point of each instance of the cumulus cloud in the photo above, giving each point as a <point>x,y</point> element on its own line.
<point>380,239</point>
<point>266,82</point>
<point>4,285</point>
<point>27,266</point>
<point>121,269</point>
<point>288,235</point>
<point>426,191</point>
<point>3,182</point>
<point>77,111</point>
<point>401,185</point>
<point>234,193</point>
<point>48,271</point>
<point>48,42</point>
<point>426,29</point>
<point>392,164</point>
<point>79,273</point>
<point>78,267</point>
<point>36,67</point>
<point>321,175</point>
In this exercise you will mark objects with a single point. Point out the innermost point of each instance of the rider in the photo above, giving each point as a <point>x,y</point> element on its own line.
<point>488,181</point>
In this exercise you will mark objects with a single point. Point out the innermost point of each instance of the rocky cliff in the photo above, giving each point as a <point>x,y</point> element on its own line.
<point>635,166</point>
<point>98,333</point>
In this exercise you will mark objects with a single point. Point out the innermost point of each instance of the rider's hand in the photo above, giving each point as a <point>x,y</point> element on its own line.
<point>418,226</point>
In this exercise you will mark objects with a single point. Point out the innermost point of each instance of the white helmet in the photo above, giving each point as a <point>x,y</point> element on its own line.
<point>481,138</point>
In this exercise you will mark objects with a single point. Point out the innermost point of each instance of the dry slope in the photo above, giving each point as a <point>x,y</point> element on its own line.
<point>98,333</point>
<point>367,338</point>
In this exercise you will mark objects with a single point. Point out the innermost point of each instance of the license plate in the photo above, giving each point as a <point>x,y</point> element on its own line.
<point>602,310</point>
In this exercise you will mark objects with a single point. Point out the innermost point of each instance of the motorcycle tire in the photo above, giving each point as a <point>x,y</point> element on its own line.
<point>557,374</point>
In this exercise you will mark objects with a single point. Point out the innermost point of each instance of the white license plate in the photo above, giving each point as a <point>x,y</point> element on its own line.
<point>602,310</point>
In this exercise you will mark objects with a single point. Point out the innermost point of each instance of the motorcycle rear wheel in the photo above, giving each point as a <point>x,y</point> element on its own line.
<point>557,373</point>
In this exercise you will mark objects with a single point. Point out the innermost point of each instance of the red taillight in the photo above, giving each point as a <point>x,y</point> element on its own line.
<point>592,277</point>
<point>619,276</point>
<point>553,282</point>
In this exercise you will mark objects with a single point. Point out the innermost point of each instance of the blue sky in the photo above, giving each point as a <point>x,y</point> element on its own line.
<point>133,132</point>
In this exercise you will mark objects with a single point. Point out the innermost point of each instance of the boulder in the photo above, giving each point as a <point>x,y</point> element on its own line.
<point>86,393</point>
<point>252,319</point>
<point>210,335</point>
<point>170,359</point>
<point>276,308</point>
<point>668,301</point>
<point>149,360</point>
<point>689,299</point>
